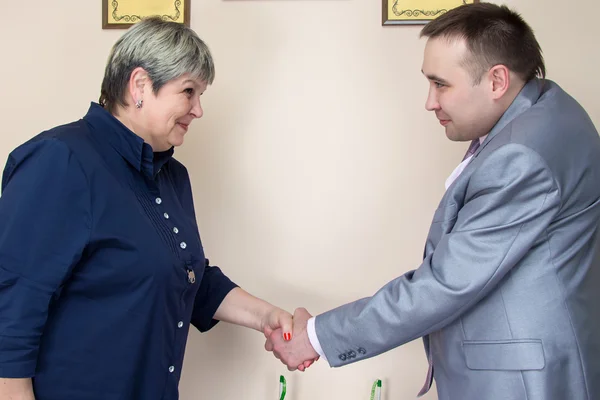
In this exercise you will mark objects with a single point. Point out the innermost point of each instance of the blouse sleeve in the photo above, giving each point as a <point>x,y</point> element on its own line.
<point>46,218</point>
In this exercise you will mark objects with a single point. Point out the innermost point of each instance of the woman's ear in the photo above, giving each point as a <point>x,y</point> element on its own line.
<point>138,85</point>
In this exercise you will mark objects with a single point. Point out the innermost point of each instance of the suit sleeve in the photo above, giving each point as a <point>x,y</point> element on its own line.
<point>511,199</point>
<point>45,214</point>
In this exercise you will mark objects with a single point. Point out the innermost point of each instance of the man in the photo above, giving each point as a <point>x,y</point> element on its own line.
<point>507,297</point>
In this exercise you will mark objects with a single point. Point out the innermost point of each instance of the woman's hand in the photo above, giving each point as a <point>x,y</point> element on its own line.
<point>241,308</point>
<point>277,318</point>
<point>16,389</point>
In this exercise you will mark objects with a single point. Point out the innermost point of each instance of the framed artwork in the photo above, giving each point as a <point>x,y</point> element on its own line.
<point>121,14</point>
<point>415,12</point>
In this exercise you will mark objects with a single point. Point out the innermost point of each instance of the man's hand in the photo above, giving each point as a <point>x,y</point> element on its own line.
<point>296,353</point>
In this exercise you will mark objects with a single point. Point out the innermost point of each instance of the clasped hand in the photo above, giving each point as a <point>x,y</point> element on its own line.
<point>297,352</point>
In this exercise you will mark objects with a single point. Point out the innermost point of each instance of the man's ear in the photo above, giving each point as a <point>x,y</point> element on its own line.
<point>138,85</point>
<point>500,80</point>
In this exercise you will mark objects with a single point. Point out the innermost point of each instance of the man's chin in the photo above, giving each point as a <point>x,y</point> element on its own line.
<point>452,135</point>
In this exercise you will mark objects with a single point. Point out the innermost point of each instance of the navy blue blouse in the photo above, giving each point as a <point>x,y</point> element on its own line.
<point>101,265</point>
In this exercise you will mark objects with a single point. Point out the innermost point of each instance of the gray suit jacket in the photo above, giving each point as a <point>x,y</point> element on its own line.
<point>507,298</point>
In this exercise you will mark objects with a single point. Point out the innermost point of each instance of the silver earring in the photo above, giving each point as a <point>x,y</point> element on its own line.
<point>138,104</point>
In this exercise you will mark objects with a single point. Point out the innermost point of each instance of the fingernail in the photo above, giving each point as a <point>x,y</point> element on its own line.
<point>287,336</point>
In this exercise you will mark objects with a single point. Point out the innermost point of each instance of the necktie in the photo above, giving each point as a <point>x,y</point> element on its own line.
<point>429,379</point>
<point>472,148</point>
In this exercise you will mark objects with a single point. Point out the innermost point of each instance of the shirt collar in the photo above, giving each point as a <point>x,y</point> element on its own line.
<point>129,145</point>
<point>528,96</point>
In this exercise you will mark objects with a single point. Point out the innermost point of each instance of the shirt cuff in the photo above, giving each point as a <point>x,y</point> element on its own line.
<point>314,340</point>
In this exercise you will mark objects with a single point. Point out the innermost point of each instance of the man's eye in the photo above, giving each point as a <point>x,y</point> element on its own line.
<point>438,85</point>
<point>189,91</point>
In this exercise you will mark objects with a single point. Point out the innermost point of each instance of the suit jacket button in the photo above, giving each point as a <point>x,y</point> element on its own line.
<point>351,354</point>
<point>343,357</point>
<point>362,351</point>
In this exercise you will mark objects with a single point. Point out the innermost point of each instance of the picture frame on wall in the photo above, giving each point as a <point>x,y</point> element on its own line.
<point>121,14</point>
<point>417,12</point>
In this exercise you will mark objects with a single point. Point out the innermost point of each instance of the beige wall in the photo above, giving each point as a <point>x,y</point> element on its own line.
<point>309,184</point>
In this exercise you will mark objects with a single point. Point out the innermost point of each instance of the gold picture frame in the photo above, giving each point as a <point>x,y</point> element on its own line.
<point>121,14</point>
<point>417,12</point>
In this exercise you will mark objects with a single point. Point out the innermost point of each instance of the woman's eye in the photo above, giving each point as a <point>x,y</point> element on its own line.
<point>189,91</point>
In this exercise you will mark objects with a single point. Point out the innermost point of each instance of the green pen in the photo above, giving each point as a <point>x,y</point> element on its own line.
<point>376,390</point>
<point>282,387</point>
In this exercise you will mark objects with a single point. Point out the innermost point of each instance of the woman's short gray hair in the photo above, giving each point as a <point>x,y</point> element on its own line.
<point>165,50</point>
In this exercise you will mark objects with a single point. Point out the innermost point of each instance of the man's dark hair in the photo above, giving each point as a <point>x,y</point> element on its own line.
<point>494,35</point>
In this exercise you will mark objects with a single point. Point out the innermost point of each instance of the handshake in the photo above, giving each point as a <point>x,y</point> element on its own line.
<point>287,337</point>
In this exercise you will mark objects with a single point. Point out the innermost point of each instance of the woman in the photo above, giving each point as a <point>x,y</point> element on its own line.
<point>101,265</point>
